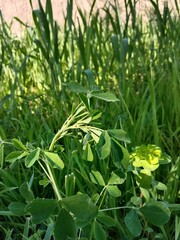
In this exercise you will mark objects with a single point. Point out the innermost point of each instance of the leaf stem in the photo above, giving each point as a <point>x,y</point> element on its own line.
<point>117,208</point>
<point>53,182</point>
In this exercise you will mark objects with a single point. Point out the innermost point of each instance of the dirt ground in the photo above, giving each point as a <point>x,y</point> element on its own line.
<point>22,9</point>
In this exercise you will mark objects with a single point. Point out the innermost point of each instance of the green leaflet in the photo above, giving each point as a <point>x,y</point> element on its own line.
<point>157,213</point>
<point>32,157</point>
<point>133,223</point>
<point>103,147</point>
<point>41,209</point>
<point>54,159</point>
<point>65,227</point>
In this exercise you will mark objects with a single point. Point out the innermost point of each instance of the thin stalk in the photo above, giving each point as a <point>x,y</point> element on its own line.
<point>165,236</point>
<point>117,208</point>
<point>92,231</point>
<point>44,170</point>
<point>53,182</point>
<point>104,188</point>
<point>49,173</point>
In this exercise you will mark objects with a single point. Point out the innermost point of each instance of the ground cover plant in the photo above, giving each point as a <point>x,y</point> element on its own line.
<point>90,126</point>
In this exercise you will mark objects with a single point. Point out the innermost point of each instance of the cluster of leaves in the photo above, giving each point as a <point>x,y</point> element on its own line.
<point>98,174</point>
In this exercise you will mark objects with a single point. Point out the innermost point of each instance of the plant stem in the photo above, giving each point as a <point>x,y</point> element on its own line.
<point>117,208</point>
<point>53,182</point>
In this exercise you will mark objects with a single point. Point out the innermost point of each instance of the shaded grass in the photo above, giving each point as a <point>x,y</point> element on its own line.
<point>139,63</point>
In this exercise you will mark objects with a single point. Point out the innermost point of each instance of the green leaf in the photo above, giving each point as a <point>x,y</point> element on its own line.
<point>157,213</point>
<point>55,159</point>
<point>108,97</point>
<point>49,12</point>
<point>119,134</point>
<point>97,178</point>
<point>165,159</point>
<point>116,46</point>
<point>81,206</point>
<point>103,147</point>
<point>85,100</point>
<point>120,155</point>
<point>159,185</point>
<point>44,182</point>
<point>87,154</point>
<point>18,144</point>
<point>117,177</point>
<point>32,157</point>
<point>145,193</point>
<point>15,155</point>
<point>125,160</point>
<point>41,209</point>
<point>76,87</point>
<point>106,220</point>
<point>117,154</point>
<point>124,49</point>
<point>26,192</point>
<point>99,233</point>
<point>17,208</point>
<point>65,227</point>
<point>81,223</point>
<point>144,181</point>
<point>90,77</point>
<point>136,200</point>
<point>113,191</point>
<point>95,134</point>
<point>133,223</point>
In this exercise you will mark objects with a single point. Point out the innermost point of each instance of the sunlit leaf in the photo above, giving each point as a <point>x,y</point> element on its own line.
<point>54,159</point>
<point>15,155</point>
<point>18,144</point>
<point>119,134</point>
<point>159,185</point>
<point>136,200</point>
<point>108,97</point>
<point>97,178</point>
<point>88,154</point>
<point>145,193</point>
<point>113,191</point>
<point>117,177</point>
<point>95,133</point>
<point>32,157</point>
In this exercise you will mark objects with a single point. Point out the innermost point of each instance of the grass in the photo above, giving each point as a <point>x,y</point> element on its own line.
<point>44,76</point>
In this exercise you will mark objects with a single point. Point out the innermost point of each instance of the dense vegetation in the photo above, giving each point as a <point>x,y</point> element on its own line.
<point>90,126</point>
